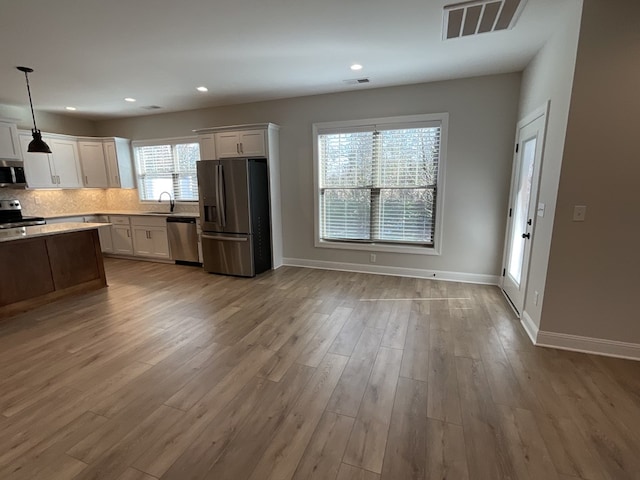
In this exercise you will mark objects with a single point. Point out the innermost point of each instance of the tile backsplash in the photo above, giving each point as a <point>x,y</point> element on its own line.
<point>45,203</point>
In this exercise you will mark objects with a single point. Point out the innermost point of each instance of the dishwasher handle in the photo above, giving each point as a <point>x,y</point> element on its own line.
<point>181,220</point>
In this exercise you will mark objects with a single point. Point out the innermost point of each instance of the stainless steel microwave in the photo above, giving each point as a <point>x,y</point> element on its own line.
<point>12,174</point>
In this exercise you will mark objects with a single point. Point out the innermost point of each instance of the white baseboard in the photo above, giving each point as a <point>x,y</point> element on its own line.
<point>595,346</point>
<point>576,343</point>
<point>530,327</point>
<point>395,271</point>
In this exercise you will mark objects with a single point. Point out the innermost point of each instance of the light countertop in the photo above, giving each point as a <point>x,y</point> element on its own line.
<point>128,213</point>
<point>44,230</point>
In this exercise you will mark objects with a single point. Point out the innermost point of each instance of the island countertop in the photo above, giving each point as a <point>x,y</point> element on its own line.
<point>22,233</point>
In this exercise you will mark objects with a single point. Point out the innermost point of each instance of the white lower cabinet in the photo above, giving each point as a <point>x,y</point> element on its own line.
<point>106,239</point>
<point>150,237</point>
<point>121,239</point>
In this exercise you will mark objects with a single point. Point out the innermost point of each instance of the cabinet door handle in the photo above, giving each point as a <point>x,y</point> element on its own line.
<point>86,179</point>
<point>237,148</point>
<point>241,148</point>
<point>128,233</point>
<point>58,177</point>
<point>53,179</point>
<point>116,177</point>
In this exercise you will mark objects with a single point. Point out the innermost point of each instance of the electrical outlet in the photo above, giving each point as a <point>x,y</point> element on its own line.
<point>36,200</point>
<point>372,258</point>
<point>579,213</point>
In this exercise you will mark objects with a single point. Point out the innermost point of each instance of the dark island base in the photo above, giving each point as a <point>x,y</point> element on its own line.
<point>40,270</point>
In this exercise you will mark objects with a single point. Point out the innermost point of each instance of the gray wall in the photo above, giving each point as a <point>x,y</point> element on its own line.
<point>48,122</point>
<point>482,123</point>
<point>593,280</point>
<point>549,77</point>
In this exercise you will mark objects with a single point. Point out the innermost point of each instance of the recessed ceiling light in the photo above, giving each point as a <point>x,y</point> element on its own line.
<point>202,89</point>
<point>129,99</point>
<point>356,66</point>
<point>72,109</point>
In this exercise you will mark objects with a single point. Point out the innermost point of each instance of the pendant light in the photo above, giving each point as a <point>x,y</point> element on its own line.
<point>37,145</point>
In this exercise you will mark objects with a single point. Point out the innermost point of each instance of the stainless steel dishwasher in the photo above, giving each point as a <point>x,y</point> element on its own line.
<point>183,239</point>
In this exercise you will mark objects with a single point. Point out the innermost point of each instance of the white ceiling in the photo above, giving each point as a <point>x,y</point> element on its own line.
<point>92,53</point>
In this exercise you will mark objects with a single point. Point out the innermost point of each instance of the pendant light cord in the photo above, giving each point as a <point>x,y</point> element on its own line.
<point>33,115</point>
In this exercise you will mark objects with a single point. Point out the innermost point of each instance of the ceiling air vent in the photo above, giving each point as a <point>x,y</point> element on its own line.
<point>356,81</point>
<point>483,16</point>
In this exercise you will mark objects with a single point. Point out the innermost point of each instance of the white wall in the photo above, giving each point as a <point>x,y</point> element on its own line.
<point>594,267</point>
<point>483,115</point>
<point>549,77</point>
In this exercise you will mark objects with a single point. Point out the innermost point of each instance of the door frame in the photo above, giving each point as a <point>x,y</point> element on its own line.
<point>542,111</point>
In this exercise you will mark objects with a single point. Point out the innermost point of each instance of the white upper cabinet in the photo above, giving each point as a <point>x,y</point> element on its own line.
<point>248,143</point>
<point>9,146</point>
<point>207,146</point>
<point>38,167</point>
<point>106,163</point>
<point>64,154</point>
<point>59,169</point>
<point>117,154</point>
<point>94,167</point>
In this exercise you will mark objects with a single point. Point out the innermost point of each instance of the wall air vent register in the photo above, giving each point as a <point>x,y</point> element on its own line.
<point>472,18</point>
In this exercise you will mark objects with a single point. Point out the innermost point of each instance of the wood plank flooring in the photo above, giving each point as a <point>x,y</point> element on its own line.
<point>301,374</point>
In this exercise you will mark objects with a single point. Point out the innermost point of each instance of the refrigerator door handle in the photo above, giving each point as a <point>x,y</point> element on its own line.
<point>226,239</point>
<point>222,207</point>
<point>217,191</point>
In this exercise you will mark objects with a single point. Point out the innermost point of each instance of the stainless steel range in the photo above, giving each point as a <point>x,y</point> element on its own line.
<point>11,216</point>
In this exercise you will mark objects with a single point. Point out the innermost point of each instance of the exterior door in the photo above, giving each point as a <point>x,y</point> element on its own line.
<point>522,209</point>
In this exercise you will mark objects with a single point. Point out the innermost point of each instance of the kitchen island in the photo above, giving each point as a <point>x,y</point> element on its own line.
<point>43,263</point>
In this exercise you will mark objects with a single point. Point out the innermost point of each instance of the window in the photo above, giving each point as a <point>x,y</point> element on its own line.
<point>167,166</point>
<point>379,182</point>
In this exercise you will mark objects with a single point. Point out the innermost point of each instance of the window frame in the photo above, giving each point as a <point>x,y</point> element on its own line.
<point>405,121</point>
<point>173,141</point>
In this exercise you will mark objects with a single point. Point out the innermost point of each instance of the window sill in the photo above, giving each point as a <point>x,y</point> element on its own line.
<point>376,247</point>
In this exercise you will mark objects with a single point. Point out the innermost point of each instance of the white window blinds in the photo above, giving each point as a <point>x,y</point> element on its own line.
<point>379,184</point>
<point>169,167</point>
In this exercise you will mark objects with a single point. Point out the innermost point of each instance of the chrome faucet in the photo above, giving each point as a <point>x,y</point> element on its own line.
<point>172,203</point>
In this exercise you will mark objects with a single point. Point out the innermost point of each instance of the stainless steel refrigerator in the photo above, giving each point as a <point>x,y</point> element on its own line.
<point>234,216</point>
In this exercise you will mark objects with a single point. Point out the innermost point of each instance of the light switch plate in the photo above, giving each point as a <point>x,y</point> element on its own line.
<point>579,213</point>
<point>541,209</point>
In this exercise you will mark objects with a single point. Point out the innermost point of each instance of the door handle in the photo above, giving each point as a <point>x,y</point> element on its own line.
<point>226,239</point>
<point>526,235</point>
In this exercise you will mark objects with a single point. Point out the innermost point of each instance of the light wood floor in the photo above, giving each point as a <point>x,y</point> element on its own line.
<point>171,373</point>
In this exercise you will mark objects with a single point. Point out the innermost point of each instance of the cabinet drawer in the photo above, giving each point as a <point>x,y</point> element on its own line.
<point>151,221</point>
<point>119,220</point>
